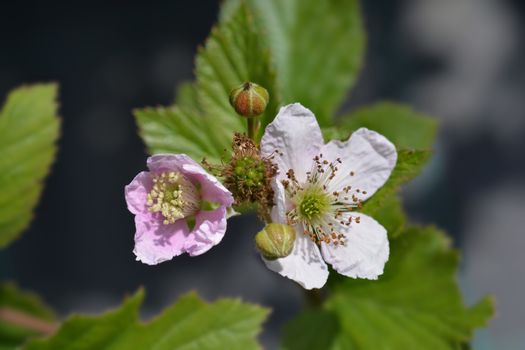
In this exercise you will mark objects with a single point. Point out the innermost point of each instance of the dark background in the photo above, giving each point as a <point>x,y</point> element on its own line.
<point>459,60</point>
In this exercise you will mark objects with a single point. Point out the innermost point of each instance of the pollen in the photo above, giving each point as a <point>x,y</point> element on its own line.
<point>173,196</point>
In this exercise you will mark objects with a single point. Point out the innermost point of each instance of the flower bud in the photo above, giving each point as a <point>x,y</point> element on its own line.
<point>275,241</point>
<point>249,99</point>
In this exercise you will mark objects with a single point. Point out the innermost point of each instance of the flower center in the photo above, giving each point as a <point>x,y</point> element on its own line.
<point>248,175</point>
<point>313,203</point>
<point>173,196</point>
<point>322,211</point>
<point>250,172</point>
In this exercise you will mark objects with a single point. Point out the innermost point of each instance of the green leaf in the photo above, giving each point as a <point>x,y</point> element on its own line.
<point>416,304</point>
<point>203,122</point>
<point>399,123</point>
<point>186,96</point>
<point>409,165</point>
<point>29,128</point>
<point>317,47</point>
<point>178,130</point>
<point>234,53</point>
<point>188,324</point>
<point>14,300</point>
<point>388,213</point>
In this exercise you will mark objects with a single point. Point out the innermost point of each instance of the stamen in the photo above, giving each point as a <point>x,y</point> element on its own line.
<point>319,211</point>
<point>173,196</point>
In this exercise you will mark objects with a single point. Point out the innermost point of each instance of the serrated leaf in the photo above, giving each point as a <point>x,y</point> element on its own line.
<point>177,130</point>
<point>317,47</point>
<point>416,304</point>
<point>234,53</point>
<point>13,299</point>
<point>399,123</point>
<point>188,324</point>
<point>186,96</point>
<point>203,122</point>
<point>29,128</point>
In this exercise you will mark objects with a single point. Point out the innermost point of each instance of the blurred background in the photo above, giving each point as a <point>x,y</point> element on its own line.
<point>458,60</point>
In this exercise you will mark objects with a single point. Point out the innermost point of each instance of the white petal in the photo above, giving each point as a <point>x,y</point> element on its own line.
<point>366,250</point>
<point>304,265</point>
<point>369,156</point>
<point>296,134</point>
<point>279,209</point>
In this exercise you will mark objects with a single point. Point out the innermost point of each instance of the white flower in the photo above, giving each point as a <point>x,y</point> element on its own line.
<point>318,189</point>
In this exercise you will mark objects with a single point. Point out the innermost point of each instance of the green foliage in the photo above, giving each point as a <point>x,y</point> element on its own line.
<point>203,122</point>
<point>416,304</point>
<point>178,130</point>
<point>29,128</point>
<point>317,48</point>
<point>234,53</point>
<point>409,165</point>
<point>388,212</point>
<point>399,123</point>
<point>188,324</point>
<point>11,336</point>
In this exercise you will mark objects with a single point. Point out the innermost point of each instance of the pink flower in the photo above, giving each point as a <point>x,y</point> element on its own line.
<point>173,211</point>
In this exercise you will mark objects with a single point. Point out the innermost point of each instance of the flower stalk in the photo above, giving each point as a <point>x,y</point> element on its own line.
<point>253,127</point>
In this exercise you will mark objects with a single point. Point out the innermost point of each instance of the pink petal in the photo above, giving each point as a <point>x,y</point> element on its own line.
<point>211,188</point>
<point>209,230</point>
<point>137,191</point>
<point>296,134</point>
<point>156,242</point>
<point>304,265</point>
<point>369,156</point>
<point>158,163</point>
<point>366,250</point>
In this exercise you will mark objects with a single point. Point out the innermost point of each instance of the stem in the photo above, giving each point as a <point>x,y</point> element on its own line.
<point>27,321</point>
<point>313,297</point>
<point>253,127</point>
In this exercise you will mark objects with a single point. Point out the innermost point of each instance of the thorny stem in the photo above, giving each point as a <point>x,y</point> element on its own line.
<point>27,321</point>
<point>253,127</point>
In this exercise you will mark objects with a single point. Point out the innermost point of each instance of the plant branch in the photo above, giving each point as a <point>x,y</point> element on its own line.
<point>27,321</point>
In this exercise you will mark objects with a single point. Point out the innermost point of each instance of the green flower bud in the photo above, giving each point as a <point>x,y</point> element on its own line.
<point>275,241</point>
<point>249,99</point>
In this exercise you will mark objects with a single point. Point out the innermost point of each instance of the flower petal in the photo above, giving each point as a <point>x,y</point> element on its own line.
<point>304,265</point>
<point>278,213</point>
<point>366,250</point>
<point>296,134</point>
<point>167,162</point>
<point>212,189</point>
<point>368,159</point>
<point>137,191</point>
<point>156,242</point>
<point>209,230</point>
